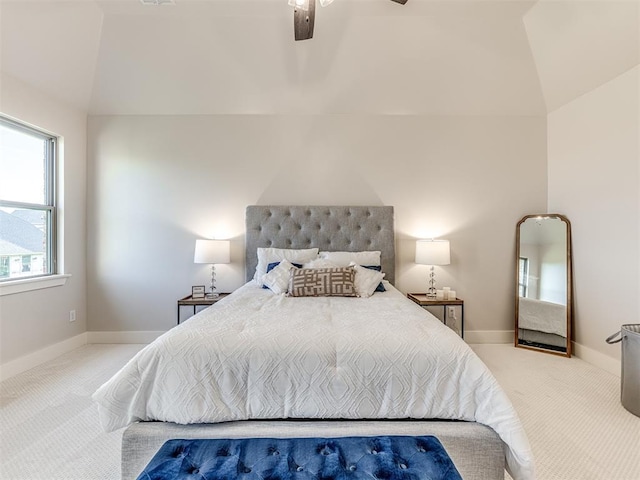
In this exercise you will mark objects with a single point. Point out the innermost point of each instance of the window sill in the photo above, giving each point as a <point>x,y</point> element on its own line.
<point>29,284</point>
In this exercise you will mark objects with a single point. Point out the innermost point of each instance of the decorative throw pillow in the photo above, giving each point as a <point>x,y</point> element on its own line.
<point>377,268</point>
<point>343,259</point>
<point>271,255</point>
<point>322,282</point>
<point>366,280</point>
<point>273,265</point>
<point>277,280</point>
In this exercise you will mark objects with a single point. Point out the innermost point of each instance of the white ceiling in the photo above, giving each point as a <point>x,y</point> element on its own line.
<point>579,45</point>
<point>427,57</point>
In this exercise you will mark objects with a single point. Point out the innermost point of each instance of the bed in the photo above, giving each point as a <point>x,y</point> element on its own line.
<point>277,366</point>
<point>542,324</point>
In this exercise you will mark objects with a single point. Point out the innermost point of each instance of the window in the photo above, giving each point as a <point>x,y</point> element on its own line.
<point>523,276</point>
<point>27,202</point>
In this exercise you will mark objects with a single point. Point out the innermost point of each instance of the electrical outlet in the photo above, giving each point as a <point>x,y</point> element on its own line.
<point>72,315</point>
<point>452,312</point>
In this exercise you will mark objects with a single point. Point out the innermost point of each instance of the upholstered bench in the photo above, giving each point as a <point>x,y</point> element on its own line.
<point>344,458</point>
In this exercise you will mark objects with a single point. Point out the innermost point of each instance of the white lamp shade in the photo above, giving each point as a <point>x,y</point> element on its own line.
<point>212,251</point>
<point>301,4</point>
<point>304,4</point>
<point>433,252</point>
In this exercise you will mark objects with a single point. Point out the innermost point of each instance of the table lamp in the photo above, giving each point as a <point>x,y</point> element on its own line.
<point>433,252</point>
<point>212,251</point>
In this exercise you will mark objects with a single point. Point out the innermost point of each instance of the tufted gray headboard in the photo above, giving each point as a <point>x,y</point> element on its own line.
<point>347,229</point>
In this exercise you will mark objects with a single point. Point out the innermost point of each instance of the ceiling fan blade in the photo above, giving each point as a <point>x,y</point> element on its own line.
<point>303,21</point>
<point>400,1</point>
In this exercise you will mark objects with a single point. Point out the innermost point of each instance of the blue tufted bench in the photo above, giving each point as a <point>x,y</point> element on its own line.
<point>344,458</point>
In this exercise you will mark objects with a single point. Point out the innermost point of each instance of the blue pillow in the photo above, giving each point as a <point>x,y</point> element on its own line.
<point>273,265</point>
<point>377,268</point>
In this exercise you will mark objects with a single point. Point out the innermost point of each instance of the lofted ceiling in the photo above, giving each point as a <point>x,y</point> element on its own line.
<point>428,57</point>
<point>579,45</point>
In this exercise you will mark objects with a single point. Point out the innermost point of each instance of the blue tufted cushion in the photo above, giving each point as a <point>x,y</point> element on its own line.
<point>346,458</point>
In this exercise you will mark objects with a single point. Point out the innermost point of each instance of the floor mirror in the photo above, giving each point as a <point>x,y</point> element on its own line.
<point>543,284</point>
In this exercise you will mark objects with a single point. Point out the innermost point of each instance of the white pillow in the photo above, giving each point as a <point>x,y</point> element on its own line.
<point>277,280</point>
<point>343,259</point>
<point>320,263</point>
<point>272,255</point>
<point>366,280</point>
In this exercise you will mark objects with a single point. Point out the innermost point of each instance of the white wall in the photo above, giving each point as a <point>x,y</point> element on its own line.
<point>553,273</point>
<point>31,321</point>
<point>156,183</point>
<point>594,178</point>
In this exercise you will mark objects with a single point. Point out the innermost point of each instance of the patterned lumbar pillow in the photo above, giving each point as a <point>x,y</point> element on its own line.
<point>322,282</point>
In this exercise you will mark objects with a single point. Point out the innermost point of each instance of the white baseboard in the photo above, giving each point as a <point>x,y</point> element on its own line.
<point>123,337</point>
<point>27,362</point>
<point>488,336</point>
<point>589,355</point>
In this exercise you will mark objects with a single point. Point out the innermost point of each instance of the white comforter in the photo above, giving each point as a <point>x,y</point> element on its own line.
<point>255,355</point>
<point>542,316</point>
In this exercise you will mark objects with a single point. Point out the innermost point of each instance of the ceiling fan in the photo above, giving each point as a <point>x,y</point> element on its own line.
<point>304,14</point>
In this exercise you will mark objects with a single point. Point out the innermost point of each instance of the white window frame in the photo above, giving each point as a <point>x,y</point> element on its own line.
<point>50,207</point>
<point>523,274</point>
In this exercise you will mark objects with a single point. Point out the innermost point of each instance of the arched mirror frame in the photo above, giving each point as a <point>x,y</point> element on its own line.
<point>569,278</point>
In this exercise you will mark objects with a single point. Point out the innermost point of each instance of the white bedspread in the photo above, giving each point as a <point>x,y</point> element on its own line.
<point>255,355</point>
<point>542,316</point>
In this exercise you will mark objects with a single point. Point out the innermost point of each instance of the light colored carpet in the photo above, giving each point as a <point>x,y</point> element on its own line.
<point>49,425</point>
<point>570,410</point>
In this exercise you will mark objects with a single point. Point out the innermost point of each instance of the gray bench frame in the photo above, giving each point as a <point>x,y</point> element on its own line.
<point>476,450</point>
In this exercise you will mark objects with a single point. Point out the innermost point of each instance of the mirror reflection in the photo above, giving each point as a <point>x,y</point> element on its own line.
<point>543,307</point>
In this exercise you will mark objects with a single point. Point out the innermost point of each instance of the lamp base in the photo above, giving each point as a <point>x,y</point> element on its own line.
<point>431,291</point>
<point>213,293</point>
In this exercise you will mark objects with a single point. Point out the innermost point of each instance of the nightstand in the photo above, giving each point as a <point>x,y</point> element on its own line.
<point>422,300</point>
<point>189,301</point>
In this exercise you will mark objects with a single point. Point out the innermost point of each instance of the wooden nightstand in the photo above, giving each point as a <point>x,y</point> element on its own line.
<point>188,301</point>
<point>422,300</point>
